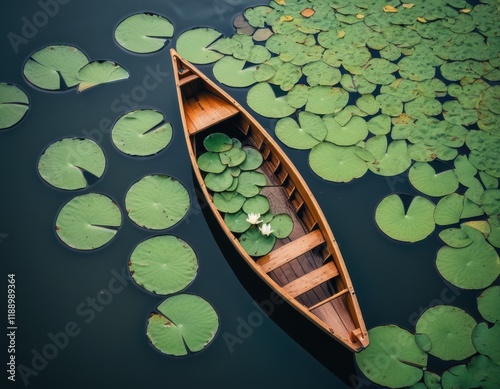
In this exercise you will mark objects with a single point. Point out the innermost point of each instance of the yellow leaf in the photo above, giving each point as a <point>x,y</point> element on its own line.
<point>408,5</point>
<point>421,19</point>
<point>390,8</point>
<point>280,2</point>
<point>465,10</point>
<point>341,34</point>
<point>481,225</point>
<point>360,16</point>
<point>286,18</point>
<point>307,12</point>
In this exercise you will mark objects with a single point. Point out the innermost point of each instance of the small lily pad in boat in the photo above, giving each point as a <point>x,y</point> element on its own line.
<point>163,264</point>
<point>217,142</point>
<point>249,183</point>
<point>488,304</point>
<point>210,162</point>
<point>64,162</point>
<point>141,133</point>
<point>255,243</point>
<point>257,204</point>
<point>14,104</point>
<point>157,202</point>
<point>186,323</point>
<point>55,67</point>
<point>88,221</point>
<point>237,222</point>
<point>144,33</point>
<point>233,157</point>
<point>253,159</point>
<point>411,225</point>
<point>193,45</point>
<point>449,330</point>
<point>402,360</point>
<point>230,202</point>
<point>99,72</point>
<point>219,182</point>
<point>281,225</point>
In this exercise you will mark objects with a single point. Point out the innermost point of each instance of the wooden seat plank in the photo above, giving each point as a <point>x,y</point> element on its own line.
<point>327,300</point>
<point>312,279</point>
<point>289,251</point>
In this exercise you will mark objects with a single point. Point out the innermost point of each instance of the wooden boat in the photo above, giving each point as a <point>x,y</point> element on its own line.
<point>306,269</point>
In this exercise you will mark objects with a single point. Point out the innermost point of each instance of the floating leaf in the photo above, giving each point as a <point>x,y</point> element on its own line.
<point>490,201</point>
<point>255,243</point>
<point>163,264</point>
<point>488,304</point>
<point>55,67</point>
<point>455,237</point>
<point>141,132</point>
<point>411,225</point>
<point>232,72</point>
<point>449,209</point>
<point>391,160</point>
<point>425,179</point>
<point>449,330</point>
<point>282,225</point>
<point>308,133</point>
<point>143,33</point>
<point>88,221</point>
<point>336,163</point>
<point>157,202</point>
<point>324,99</point>
<point>229,201</point>
<point>65,163</point>
<point>403,361</point>
<point>99,72</point>
<point>14,105</point>
<point>192,45</point>
<point>187,322</point>
<point>487,341</point>
<point>348,134</point>
<point>261,99</point>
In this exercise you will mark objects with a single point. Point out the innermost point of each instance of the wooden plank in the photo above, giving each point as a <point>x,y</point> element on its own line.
<point>294,249</point>
<point>312,279</point>
<point>332,297</point>
<point>188,78</point>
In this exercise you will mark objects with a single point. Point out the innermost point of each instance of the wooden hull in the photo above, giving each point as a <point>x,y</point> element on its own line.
<point>306,269</point>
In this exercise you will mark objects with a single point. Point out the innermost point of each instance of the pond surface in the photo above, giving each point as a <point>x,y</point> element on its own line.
<point>93,341</point>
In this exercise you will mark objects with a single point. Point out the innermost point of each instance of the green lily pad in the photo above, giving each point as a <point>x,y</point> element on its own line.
<point>449,329</point>
<point>490,201</point>
<point>257,204</point>
<point>255,243</point>
<point>308,133</point>
<point>320,73</point>
<point>262,99</point>
<point>459,376</point>
<point>411,225</point>
<point>345,134</point>
<point>424,178</point>
<point>99,72</point>
<point>219,182</point>
<point>193,45</point>
<point>323,100</point>
<point>432,380</point>
<point>336,163</point>
<point>380,125</point>
<point>253,159</point>
<point>14,104</point>
<point>449,209</point>
<point>233,157</point>
<point>488,304</point>
<point>390,160</point>
<point>157,202</point>
<point>55,67</point>
<point>185,323</point>
<point>249,183</point>
<point>232,72</point>
<point>237,222</point>
<point>487,341</point>
<point>141,133</point>
<point>210,162</point>
<point>218,142</point>
<point>455,237</point>
<point>88,222</point>
<point>486,374</point>
<point>163,264</point>
<point>64,163</point>
<point>282,225</point>
<point>475,266</point>
<point>144,33</point>
<point>230,202</point>
<point>403,361</point>
<point>484,151</point>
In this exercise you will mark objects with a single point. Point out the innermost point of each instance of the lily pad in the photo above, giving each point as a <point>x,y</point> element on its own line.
<point>219,182</point>
<point>255,243</point>
<point>157,202</point>
<point>449,329</point>
<point>144,33</point>
<point>449,209</point>
<point>88,222</point>
<point>229,201</point>
<point>257,204</point>
<point>455,237</point>
<point>487,341</point>
<point>282,225</point>
<point>424,178</point>
<point>55,67</point>
<point>237,222</point>
<point>411,225</point>
<point>218,142</point>
<point>310,131</point>
<point>163,264</point>
<point>210,162</point>
<point>65,163</point>
<point>233,157</point>
<point>232,72</point>
<point>475,266</point>
<point>186,323</point>
<point>262,99</point>
<point>14,104</point>
<point>336,163</point>
<point>392,359</point>
<point>99,72</point>
<point>253,159</point>
<point>193,45</point>
<point>390,160</point>
<point>488,304</point>
<point>141,133</point>
<point>249,183</point>
<point>323,99</point>
<point>345,134</point>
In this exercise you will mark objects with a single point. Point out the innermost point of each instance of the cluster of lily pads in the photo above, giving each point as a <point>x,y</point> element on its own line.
<point>231,174</point>
<point>395,88</point>
<point>397,358</point>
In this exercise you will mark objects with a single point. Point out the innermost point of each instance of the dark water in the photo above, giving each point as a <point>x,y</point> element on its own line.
<point>56,286</point>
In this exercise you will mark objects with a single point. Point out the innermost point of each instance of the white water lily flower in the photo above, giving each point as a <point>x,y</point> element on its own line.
<point>253,218</point>
<point>266,229</point>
